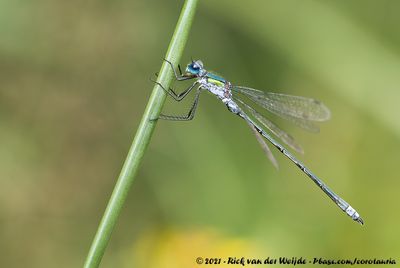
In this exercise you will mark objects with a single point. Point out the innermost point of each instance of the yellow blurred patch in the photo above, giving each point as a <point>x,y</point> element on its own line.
<point>180,249</point>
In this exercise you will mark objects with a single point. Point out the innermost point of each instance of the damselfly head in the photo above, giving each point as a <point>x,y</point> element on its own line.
<point>195,68</point>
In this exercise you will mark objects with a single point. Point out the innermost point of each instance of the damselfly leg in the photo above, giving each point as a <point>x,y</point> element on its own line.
<point>173,94</point>
<point>190,114</point>
<point>178,97</point>
<point>179,77</point>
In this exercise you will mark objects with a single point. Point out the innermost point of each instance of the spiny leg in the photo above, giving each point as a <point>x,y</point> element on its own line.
<point>190,114</point>
<point>179,68</point>
<point>173,94</point>
<point>179,77</point>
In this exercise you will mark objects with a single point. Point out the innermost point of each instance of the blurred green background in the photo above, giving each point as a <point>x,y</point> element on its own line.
<point>74,82</point>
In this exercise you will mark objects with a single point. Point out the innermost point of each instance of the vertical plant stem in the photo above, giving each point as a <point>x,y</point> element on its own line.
<point>142,137</point>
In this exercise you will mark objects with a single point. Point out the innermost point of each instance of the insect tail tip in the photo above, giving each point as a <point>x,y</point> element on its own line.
<point>360,221</point>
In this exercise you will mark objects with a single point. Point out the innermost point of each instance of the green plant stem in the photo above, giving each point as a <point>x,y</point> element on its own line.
<point>142,137</point>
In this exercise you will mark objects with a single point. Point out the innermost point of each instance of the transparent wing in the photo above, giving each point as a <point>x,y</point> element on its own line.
<point>264,146</point>
<point>287,106</point>
<point>303,123</point>
<point>286,138</point>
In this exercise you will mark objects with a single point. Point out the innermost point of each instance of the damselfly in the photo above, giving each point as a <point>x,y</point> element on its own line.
<point>300,110</point>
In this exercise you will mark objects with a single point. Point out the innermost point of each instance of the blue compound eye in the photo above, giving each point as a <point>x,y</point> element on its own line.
<point>192,68</point>
<point>195,67</point>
